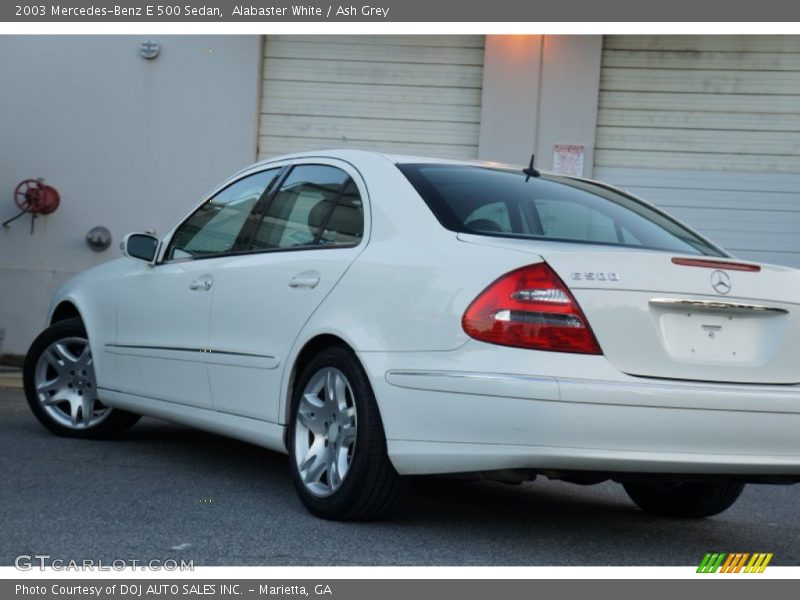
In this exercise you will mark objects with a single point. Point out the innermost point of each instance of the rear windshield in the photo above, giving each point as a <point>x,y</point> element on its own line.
<point>499,202</point>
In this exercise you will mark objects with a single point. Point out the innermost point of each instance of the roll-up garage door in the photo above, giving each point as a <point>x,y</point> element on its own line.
<point>708,127</point>
<point>405,94</point>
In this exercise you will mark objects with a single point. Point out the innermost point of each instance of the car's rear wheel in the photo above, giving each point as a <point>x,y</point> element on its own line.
<point>687,499</point>
<point>336,442</point>
<point>61,387</point>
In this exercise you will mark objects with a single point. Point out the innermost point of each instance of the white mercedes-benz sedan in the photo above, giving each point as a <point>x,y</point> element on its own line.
<point>381,316</point>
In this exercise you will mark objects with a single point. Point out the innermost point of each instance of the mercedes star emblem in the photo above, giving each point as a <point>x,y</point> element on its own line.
<point>721,282</point>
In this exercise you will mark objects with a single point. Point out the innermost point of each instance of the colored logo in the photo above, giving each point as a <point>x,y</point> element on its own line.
<point>735,562</point>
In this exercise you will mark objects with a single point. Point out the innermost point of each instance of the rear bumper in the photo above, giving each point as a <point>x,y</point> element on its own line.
<point>451,420</point>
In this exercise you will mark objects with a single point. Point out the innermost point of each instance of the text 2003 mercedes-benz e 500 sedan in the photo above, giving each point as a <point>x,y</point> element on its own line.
<point>382,316</point>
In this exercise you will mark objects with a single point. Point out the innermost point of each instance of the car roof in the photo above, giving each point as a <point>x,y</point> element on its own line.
<point>353,154</point>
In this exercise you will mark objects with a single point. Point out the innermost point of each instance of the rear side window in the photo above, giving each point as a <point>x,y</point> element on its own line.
<point>345,222</point>
<point>499,202</point>
<point>315,205</point>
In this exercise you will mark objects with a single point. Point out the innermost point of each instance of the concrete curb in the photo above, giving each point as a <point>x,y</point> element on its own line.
<point>11,381</point>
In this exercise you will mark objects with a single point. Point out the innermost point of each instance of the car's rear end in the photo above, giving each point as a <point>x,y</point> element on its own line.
<point>621,344</point>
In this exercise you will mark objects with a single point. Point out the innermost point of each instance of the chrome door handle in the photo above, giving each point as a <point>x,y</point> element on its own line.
<point>304,280</point>
<point>201,284</point>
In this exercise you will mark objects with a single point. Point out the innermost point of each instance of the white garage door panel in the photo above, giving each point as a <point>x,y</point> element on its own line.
<point>376,108</point>
<point>750,241</point>
<point>274,146</point>
<point>770,61</point>
<point>714,200</point>
<point>729,103</point>
<point>433,41</point>
<point>734,221</point>
<point>762,143</point>
<point>396,93</point>
<point>356,48</point>
<point>693,81</point>
<point>710,43</point>
<point>708,127</point>
<point>700,119</point>
<point>373,73</point>
<point>398,130</point>
<point>788,259</point>
<point>687,160</point>
<point>366,94</point>
<point>719,181</point>
<point>755,216</point>
<point>700,102</point>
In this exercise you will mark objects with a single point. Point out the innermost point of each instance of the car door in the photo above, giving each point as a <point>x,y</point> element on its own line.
<point>311,230</point>
<point>163,310</point>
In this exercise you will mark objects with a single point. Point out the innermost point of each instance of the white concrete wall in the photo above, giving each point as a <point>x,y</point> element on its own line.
<point>539,91</point>
<point>130,144</point>
<point>569,93</point>
<point>512,72</point>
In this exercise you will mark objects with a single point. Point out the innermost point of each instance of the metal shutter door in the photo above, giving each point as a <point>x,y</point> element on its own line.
<point>407,94</point>
<point>708,127</point>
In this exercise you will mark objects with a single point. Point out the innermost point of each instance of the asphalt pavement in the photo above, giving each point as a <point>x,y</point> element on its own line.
<point>164,491</point>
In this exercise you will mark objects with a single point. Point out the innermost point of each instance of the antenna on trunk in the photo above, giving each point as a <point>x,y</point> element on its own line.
<point>530,171</point>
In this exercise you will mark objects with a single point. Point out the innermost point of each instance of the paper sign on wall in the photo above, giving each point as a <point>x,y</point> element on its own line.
<point>568,159</point>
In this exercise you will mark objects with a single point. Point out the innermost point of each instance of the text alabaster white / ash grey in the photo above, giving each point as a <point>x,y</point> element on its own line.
<point>301,10</point>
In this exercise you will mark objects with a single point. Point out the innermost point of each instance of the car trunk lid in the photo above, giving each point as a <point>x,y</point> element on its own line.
<point>657,314</point>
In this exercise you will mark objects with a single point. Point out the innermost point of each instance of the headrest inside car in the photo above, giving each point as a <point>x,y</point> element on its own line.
<point>345,224</point>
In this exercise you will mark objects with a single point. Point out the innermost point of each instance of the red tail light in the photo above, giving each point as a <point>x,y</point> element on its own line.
<point>530,308</point>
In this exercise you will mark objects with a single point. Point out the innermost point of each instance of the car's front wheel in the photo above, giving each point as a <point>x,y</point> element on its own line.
<point>336,442</point>
<point>61,388</point>
<point>687,499</point>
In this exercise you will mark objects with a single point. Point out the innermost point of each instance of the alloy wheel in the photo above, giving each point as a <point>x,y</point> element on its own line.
<point>325,431</point>
<point>65,384</point>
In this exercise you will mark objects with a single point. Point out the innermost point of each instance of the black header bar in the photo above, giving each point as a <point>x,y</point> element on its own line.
<point>459,11</point>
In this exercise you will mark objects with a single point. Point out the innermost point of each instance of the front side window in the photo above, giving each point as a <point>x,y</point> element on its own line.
<point>214,227</point>
<point>315,205</point>
<point>499,202</point>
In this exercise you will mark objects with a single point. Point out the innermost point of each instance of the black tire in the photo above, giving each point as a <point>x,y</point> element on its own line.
<point>688,499</point>
<point>371,488</point>
<point>55,418</point>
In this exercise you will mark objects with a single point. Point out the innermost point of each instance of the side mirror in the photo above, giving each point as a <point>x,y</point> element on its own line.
<point>142,246</point>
